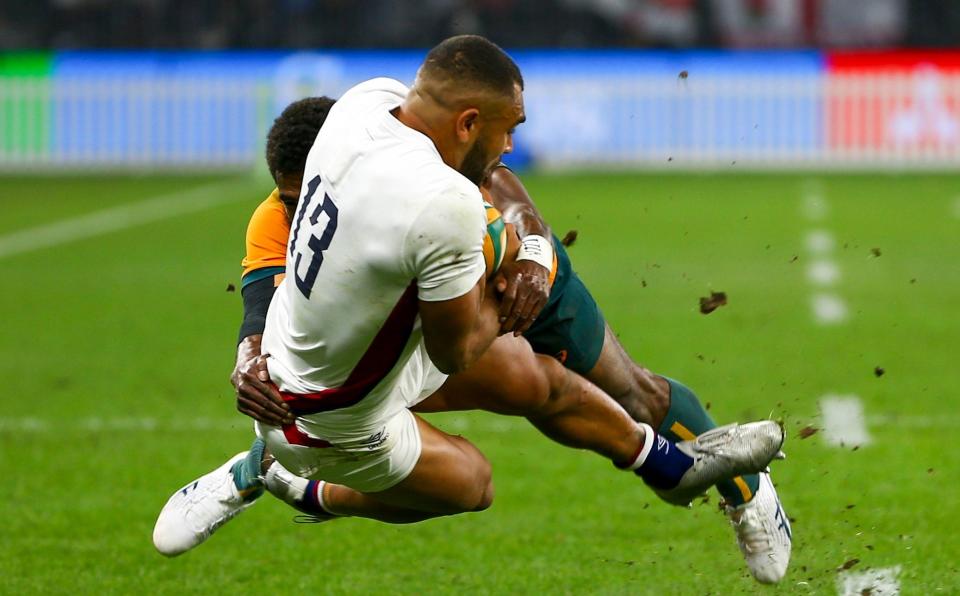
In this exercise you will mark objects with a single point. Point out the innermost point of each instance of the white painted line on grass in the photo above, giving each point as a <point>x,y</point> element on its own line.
<point>121,217</point>
<point>844,424</point>
<point>828,309</point>
<point>124,424</point>
<point>876,582</point>
<point>815,207</point>
<point>899,421</point>
<point>820,242</point>
<point>147,424</point>
<point>823,273</point>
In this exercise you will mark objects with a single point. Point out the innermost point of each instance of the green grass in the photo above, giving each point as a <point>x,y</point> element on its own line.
<point>133,330</point>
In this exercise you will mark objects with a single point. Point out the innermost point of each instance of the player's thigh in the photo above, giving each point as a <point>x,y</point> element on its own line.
<point>508,379</point>
<point>571,328</point>
<point>451,476</point>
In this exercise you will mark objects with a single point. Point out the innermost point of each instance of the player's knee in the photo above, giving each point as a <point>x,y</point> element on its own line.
<point>553,383</point>
<point>529,389</point>
<point>486,498</point>
<point>475,483</point>
<point>477,495</point>
<point>480,495</point>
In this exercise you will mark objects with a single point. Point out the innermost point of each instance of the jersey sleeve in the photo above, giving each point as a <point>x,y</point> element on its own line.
<point>445,246</point>
<point>266,243</point>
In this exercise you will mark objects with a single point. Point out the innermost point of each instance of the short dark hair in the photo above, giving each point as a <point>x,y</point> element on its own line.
<point>293,132</point>
<point>474,59</point>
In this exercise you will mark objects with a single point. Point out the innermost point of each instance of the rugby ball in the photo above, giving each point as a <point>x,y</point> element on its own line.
<point>495,240</point>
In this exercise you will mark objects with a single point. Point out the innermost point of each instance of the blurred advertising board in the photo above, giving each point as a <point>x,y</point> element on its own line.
<point>658,109</point>
<point>894,107</point>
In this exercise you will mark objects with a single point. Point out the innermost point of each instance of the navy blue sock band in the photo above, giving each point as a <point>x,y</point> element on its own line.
<point>665,464</point>
<point>310,504</point>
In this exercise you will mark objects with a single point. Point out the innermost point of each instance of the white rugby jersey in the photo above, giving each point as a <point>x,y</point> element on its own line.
<point>381,222</point>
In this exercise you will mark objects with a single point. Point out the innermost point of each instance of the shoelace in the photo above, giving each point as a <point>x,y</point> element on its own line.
<point>310,519</point>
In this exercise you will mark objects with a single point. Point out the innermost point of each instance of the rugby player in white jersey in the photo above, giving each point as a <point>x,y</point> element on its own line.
<point>413,246</point>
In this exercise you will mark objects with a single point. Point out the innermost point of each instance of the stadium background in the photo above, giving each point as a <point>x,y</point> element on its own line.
<point>799,155</point>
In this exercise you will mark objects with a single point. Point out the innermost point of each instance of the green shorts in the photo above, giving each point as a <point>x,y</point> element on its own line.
<point>570,327</point>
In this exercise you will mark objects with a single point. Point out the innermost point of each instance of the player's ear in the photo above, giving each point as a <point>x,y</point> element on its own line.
<point>467,122</point>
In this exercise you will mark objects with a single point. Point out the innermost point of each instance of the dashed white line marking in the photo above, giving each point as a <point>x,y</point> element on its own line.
<point>844,424</point>
<point>815,207</point>
<point>911,421</point>
<point>828,309</point>
<point>876,582</point>
<point>32,424</point>
<point>820,242</point>
<point>823,273</point>
<point>121,217</point>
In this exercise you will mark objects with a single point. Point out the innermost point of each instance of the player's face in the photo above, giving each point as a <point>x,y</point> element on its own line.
<point>475,164</point>
<point>494,140</point>
<point>289,187</point>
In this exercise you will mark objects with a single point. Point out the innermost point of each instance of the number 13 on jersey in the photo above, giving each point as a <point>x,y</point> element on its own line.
<point>306,252</point>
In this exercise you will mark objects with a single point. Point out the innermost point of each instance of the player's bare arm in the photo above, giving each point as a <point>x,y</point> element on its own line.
<point>440,318</point>
<point>525,282</point>
<point>457,332</point>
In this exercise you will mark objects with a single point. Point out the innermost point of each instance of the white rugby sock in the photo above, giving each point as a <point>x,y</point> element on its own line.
<point>284,484</point>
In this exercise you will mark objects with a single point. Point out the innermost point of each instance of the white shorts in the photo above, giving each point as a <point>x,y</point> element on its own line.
<point>432,380</point>
<point>377,463</point>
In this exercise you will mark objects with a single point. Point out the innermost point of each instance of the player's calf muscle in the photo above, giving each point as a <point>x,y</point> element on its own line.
<point>642,394</point>
<point>656,393</point>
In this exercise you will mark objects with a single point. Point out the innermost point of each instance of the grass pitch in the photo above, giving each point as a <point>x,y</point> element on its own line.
<point>117,347</point>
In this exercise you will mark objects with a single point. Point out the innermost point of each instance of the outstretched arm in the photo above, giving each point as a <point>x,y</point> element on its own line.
<point>524,283</point>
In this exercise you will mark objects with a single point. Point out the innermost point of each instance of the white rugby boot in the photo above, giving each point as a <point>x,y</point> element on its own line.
<point>763,533</point>
<point>722,453</point>
<point>195,511</point>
